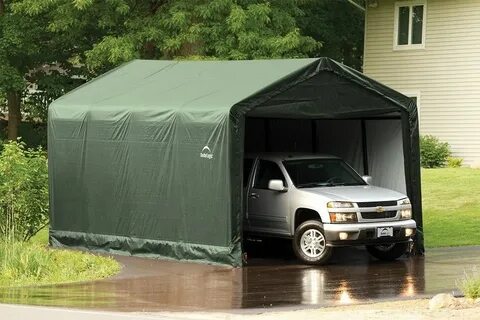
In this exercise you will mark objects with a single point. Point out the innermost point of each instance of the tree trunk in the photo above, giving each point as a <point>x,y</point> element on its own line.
<point>2,7</point>
<point>191,49</point>
<point>14,115</point>
<point>148,51</point>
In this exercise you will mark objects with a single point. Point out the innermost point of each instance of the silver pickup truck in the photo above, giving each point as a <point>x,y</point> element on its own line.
<point>320,202</point>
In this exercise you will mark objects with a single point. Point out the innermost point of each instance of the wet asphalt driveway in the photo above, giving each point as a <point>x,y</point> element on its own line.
<point>272,279</point>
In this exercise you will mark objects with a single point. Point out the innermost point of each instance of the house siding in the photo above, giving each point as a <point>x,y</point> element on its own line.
<point>445,74</point>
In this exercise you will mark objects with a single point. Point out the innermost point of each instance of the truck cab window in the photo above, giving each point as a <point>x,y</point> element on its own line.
<point>267,170</point>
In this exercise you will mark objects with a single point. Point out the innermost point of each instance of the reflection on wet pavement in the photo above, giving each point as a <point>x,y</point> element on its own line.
<point>271,279</point>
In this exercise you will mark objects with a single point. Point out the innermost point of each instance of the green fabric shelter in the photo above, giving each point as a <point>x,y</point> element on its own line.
<point>147,159</point>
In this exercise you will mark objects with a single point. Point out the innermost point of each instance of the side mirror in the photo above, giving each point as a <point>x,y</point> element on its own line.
<point>367,179</point>
<point>276,185</point>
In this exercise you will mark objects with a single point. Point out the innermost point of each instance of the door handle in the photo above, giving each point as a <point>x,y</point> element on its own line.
<point>254,195</point>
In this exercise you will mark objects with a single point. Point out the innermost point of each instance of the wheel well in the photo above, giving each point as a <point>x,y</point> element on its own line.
<point>304,214</point>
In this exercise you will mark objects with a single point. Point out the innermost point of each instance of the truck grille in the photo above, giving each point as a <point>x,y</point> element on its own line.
<point>376,204</point>
<point>379,215</point>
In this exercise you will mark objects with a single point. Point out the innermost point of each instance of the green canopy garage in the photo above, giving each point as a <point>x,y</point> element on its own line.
<point>147,159</point>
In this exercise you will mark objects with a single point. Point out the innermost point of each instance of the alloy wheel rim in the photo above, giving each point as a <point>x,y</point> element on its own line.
<point>312,243</point>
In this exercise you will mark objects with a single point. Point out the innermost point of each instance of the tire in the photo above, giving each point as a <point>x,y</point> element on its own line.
<point>388,252</point>
<point>319,253</point>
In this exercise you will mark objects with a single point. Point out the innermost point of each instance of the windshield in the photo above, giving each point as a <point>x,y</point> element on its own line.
<point>310,173</point>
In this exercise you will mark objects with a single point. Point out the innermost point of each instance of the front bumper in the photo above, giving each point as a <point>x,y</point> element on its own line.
<point>366,233</point>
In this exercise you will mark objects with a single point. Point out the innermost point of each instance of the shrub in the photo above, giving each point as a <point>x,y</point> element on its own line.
<point>433,153</point>
<point>453,162</point>
<point>23,191</point>
<point>470,284</point>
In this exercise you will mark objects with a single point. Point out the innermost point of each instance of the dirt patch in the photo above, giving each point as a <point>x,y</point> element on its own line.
<point>398,310</point>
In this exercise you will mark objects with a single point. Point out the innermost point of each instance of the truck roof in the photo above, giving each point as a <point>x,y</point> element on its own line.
<point>280,156</point>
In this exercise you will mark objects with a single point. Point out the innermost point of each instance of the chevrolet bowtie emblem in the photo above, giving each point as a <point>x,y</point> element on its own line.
<point>380,209</point>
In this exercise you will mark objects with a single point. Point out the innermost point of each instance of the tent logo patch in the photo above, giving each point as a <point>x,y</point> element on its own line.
<point>206,153</point>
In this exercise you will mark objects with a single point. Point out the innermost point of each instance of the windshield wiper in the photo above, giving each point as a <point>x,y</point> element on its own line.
<point>331,184</point>
<point>321,184</point>
<point>312,185</point>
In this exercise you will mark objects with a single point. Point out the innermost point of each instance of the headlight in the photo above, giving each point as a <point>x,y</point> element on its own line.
<point>339,204</point>
<point>343,217</point>
<point>405,214</point>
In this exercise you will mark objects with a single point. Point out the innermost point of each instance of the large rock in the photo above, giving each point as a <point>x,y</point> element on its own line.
<point>441,301</point>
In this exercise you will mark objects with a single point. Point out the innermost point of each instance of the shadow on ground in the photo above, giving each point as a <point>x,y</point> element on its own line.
<point>273,278</point>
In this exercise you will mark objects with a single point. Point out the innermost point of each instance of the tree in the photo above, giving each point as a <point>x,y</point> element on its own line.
<point>339,26</point>
<point>10,83</point>
<point>36,62</point>
<point>162,29</point>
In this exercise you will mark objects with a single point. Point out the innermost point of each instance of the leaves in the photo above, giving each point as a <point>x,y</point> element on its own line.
<point>224,29</point>
<point>111,51</point>
<point>237,19</point>
<point>82,4</point>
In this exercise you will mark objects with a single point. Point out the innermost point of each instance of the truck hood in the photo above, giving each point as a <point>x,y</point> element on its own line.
<point>356,193</point>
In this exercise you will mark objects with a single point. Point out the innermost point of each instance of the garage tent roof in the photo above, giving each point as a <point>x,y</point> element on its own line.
<point>218,85</point>
<point>146,158</point>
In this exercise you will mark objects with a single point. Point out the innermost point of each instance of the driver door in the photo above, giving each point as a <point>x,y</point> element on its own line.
<point>268,209</point>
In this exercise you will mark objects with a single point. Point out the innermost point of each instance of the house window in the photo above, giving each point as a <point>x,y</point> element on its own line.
<point>409,25</point>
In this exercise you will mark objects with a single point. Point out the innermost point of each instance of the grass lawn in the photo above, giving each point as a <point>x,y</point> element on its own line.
<point>41,237</point>
<point>32,263</point>
<point>451,206</point>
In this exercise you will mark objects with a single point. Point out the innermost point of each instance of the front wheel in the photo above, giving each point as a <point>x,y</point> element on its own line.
<point>310,244</point>
<point>388,252</point>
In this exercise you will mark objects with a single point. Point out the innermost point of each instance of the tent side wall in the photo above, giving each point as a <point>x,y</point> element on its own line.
<point>142,182</point>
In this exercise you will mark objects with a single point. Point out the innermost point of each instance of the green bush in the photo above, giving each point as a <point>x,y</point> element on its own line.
<point>23,191</point>
<point>433,153</point>
<point>453,162</point>
<point>470,284</point>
